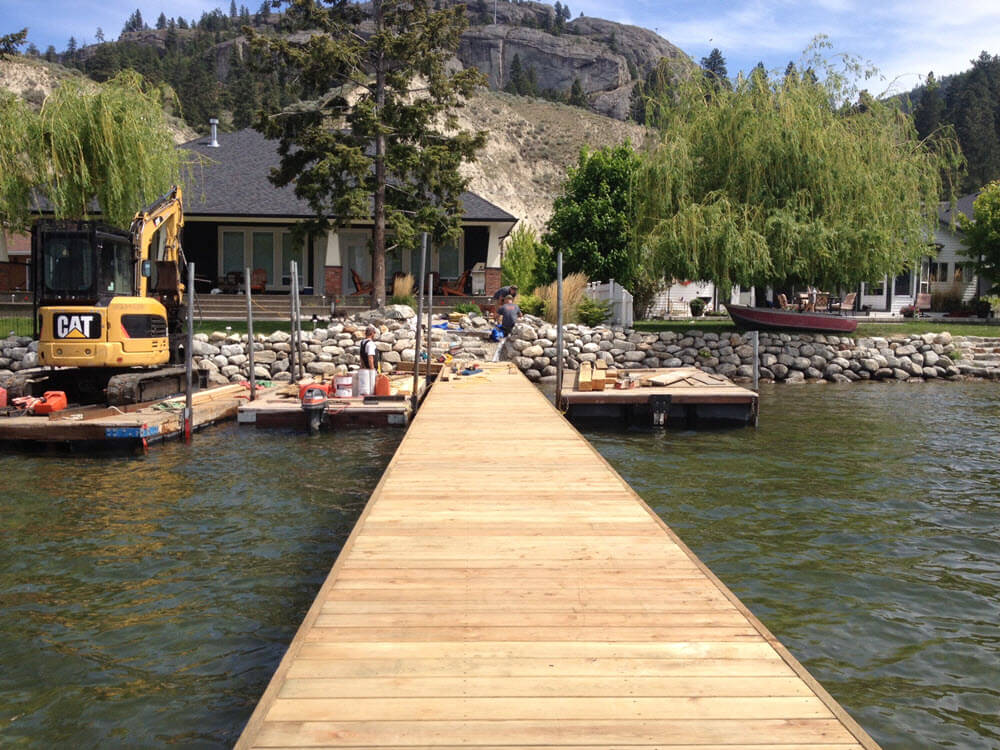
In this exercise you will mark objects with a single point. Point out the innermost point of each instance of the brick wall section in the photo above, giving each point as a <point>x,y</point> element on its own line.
<point>333,280</point>
<point>492,280</point>
<point>13,276</point>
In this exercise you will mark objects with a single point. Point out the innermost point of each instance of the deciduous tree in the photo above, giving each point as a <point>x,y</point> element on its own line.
<point>770,182</point>
<point>981,234</point>
<point>376,135</point>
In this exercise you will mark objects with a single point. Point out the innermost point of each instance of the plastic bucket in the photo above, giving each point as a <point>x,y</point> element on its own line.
<point>366,382</point>
<point>344,385</point>
<point>3,397</point>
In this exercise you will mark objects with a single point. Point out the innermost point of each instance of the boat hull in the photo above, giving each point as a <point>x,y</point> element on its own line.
<point>767,318</point>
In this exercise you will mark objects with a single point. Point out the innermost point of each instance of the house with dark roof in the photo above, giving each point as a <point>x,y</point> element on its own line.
<point>949,271</point>
<point>235,218</point>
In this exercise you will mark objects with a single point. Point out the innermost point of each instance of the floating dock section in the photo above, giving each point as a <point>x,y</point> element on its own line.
<point>280,407</point>
<point>505,587</point>
<point>681,396</point>
<point>121,427</point>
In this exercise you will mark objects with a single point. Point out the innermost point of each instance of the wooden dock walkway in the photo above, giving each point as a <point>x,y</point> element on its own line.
<point>504,587</point>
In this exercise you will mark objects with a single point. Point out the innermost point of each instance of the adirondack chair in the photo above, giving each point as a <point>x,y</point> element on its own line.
<point>458,288</point>
<point>361,286</point>
<point>258,280</point>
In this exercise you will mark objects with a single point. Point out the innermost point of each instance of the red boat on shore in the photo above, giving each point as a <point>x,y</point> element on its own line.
<point>772,319</point>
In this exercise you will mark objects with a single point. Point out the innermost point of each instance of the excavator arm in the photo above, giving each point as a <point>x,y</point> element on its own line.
<point>156,243</point>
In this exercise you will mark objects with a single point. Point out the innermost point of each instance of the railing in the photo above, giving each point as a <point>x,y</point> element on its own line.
<point>619,300</point>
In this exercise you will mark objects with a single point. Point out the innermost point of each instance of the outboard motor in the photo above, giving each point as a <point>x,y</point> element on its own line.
<point>314,397</point>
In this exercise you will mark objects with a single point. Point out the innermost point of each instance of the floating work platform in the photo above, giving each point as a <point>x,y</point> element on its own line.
<point>280,408</point>
<point>667,396</point>
<point>120,427</point>
<point>505,587</point>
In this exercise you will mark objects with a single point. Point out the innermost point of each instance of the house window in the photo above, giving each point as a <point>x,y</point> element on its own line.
<point>393,263</point>
<point>232,252</point>
<point>901,288</point>
<point>263,254</point>
<point>939,272</point>
<point>959,273</point>
<point>449,261</point>
<point>290,250</point>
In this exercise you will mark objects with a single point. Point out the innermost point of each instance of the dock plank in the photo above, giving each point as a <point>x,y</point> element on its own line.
<point>488,597</point>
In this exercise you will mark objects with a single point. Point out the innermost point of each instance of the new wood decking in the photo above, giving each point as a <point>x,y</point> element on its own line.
<point>504,587</point>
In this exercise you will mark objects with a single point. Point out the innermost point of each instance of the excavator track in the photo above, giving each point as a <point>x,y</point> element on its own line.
<point>101,385</point>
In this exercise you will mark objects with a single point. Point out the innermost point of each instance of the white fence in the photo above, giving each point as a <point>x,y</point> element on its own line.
<point>619,299</point>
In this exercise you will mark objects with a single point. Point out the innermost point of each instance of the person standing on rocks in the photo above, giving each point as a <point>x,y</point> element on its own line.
<point>507,316</point>
<point>369,362</point>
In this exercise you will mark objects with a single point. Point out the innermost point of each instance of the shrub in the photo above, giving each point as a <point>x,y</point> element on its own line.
<point>592,312</point>
<point>574,288</point>
<point>531,305</point>
<point>470,308</point>
<point>402,286</point>
<point>697,306</point>
<point>403,299</point>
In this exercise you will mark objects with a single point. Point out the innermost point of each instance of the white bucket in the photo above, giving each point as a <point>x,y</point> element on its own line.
<point>344,386</point>
<point>366,382</point>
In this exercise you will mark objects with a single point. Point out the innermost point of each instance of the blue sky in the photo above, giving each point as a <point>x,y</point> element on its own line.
<point>903,40</point>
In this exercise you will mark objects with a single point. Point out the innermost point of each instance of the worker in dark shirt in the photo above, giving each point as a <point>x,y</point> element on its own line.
<point>505,291</point>
<point>507,315</point>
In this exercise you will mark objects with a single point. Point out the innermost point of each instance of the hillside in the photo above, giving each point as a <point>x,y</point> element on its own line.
<point>531,144</point>
<point>33,80</point>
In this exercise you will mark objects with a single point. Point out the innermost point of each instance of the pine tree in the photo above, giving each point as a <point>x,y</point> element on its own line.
<point>32,50</point>
<point>400,130</point>
<point>576,96</point>
<point>161,21</point>
<point>134,22</point>
<point>265,10</point>
<point>515,78</point>
<point>928,114</point>
<point>50,53</point>
<point>10,42</point>
<point>181,23</point>
<point>715,69</point>
<point>233,10</point>
<point>99,35</point>
<point>71,48</point>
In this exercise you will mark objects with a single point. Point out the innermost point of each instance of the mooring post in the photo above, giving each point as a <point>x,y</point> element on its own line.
<point>559,329</point>
<point>253,378</point>
<point>430,320</point>
<point>292,358</point>
<point>296,320</point>
<point>189,356</point>
<point>756,360</point>
<point>420,316</point>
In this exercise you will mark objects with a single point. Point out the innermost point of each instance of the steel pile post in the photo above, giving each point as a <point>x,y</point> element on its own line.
<point>420,315</point>
<point>296,319</point>
<point>292,358</point>
<point>189,356</point>
<point>253,378</point>
<point>430,319</point>
<point>559,329</point>
<point>756,360</point>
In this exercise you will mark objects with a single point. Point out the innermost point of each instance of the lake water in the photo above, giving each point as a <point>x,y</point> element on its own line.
<point>146,601</point>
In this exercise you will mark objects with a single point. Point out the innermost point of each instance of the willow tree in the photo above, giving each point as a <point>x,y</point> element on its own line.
<point>376,136</point>
<point>779,180</point>
<point>89,146</point>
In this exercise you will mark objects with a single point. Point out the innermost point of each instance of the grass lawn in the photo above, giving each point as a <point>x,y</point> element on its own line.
<point>725,325</point>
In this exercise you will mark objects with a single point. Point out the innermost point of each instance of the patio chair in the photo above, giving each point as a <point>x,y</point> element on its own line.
<point>783,303</point>
<point>844,305</point>
<point>457,289</point>
<point>258,280</point>
<point>361,286</point>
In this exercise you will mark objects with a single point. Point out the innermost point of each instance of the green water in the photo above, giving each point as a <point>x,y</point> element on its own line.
<point>146,601</point>
<point>862,525</point>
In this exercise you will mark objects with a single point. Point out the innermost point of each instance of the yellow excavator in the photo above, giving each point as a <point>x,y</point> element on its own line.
<point>109,307</point>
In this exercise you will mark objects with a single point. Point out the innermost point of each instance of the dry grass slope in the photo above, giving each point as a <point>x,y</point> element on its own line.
<point>531,143</point>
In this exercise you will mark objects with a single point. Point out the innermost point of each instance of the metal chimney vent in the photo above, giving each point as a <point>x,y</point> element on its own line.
<point>214,122</point>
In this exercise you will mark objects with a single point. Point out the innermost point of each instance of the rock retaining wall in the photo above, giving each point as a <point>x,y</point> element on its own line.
<point>788,358</point>
<point>784,357</point>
